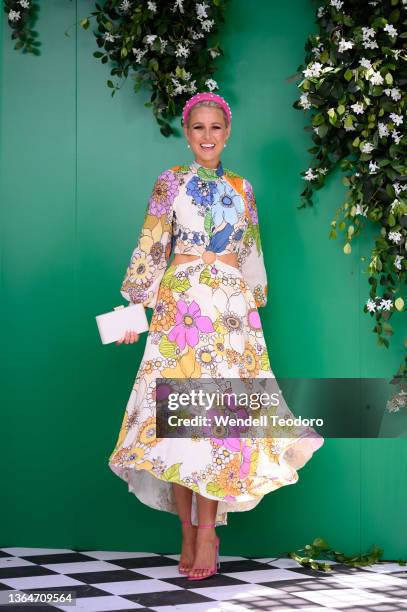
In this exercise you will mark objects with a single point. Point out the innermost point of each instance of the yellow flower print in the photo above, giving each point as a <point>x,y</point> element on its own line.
<point>187,367</point>
<point>154,236</point>
<point>165,311</point>
<point>219,346</point>
<point>142,269</point>
<point>250,360</point>
<point>147,432</point>
<point>233,357</point>
<point>229,476</point>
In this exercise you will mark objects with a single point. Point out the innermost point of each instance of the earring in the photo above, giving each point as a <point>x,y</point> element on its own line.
<point>226,144</point>
<point>189,146</point>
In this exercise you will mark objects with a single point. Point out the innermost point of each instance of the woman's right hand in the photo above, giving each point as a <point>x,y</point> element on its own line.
<point>129,337</point>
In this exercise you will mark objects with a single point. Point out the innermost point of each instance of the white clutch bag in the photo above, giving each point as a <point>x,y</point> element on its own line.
<point>113,325</point>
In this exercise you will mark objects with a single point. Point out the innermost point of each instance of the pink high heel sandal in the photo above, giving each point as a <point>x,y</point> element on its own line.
<point>211,570</point>
<point>182,571</point>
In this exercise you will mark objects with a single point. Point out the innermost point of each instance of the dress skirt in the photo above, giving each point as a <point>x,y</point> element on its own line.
<point>205,324</point>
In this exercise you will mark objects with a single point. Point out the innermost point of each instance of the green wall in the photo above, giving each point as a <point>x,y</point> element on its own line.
<point>77,168</point>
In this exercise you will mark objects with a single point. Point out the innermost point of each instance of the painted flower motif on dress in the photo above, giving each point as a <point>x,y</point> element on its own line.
<point>202,192</point>
<point>228,205</point>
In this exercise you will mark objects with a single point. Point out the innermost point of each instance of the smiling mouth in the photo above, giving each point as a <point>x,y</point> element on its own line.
<point>207,147</point>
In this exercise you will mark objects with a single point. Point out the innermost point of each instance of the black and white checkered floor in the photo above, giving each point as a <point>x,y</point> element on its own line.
<point>106,580</point>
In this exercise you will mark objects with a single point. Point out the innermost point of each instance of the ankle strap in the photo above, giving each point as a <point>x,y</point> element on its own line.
<point>203,526</point>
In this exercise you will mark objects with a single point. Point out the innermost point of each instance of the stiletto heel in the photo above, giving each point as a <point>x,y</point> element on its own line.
<point>184,571</point>
<point>211,570</point>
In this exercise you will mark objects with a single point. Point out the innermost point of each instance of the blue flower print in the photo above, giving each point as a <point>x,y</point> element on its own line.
<point>228,205</point>
<point>201,191</point>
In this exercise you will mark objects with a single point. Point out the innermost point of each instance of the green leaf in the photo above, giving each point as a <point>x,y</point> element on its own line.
<point>172,473</point>
<point>85,23</point>
<point>208,222</point>
<point>109,83</point>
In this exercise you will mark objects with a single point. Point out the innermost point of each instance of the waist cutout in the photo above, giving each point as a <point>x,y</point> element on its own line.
<point>207,257</point>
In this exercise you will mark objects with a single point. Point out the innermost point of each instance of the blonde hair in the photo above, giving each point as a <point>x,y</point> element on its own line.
<point>210,103</point>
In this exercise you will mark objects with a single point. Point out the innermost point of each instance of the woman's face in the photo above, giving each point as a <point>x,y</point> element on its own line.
<point>207,126</point>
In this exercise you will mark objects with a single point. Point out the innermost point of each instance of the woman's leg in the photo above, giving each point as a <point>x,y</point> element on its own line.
<point>183,501</point>
<point>205,539</point>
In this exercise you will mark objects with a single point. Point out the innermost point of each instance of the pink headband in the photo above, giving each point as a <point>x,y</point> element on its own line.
<point>205,96</point>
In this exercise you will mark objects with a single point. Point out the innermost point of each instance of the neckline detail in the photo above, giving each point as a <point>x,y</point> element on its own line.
<point>207,173</point>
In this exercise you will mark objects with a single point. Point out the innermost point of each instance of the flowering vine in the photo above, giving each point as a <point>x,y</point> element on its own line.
<point>21,14</point>
<point>164,45</point>
<point>353,85</point>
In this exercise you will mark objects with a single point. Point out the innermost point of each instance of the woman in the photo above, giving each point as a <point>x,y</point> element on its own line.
<point>205,323</point>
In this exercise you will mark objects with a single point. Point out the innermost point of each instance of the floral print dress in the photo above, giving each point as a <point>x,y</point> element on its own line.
<point>205,323</point>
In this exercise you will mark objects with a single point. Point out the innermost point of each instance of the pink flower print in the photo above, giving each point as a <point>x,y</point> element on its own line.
<point>188,323</point>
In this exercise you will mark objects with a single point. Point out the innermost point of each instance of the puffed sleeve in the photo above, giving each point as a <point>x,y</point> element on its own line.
<point>251,253</point>
<point>149,258</point>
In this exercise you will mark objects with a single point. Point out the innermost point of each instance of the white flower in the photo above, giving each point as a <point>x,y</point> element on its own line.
<point>192,87</point>
<point>361,210</point>
<point>213,53</point>
<point>182,50</point>
<point>14,15</point>
<point>373,167</point>
<point>208,24</point>
<point>399,188</point>
<point>367,147</point>
<point>371,305</point>
<point>397,261</point>
<point>150,38</point>
<point>394,93</point>
<point>108,37</point>
<point>125,5</point>
<point>24,4</point>
<point>201,10</point>
<point>396,136</point>
<point>391,30</point>
<point>178,5</point>
<point>397,119</point>
<point>163,44</point>
<point>376,78</point>
<point>395,236</point>
<point>320,12</point>
<point>344,45</point>
<point>385,304</point>
<point>349,128</point>
<point>383,129</point>
<point>304,101</point>
<point>196,35</point>
<point>322,170</point>
<point>314,70</point>
<point>370,44</point>
<point>358,108</point>
<point>336,4</point>
<point>368,33</point>
<point>310,175</point>
<point>152,6</point>
<point>316,129</point>
<point>179,89</point>
<point>139,53</point>
<point>394,205</point>
<point>211,84</point>
<point>365,63</point>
